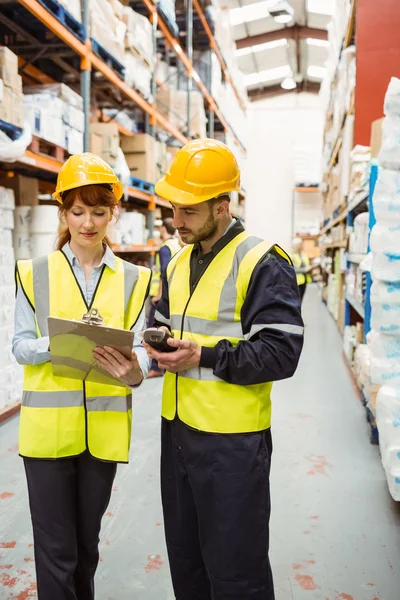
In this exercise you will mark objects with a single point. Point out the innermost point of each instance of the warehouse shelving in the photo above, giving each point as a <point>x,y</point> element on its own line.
<point>174,45</point>
<point>357,305</point>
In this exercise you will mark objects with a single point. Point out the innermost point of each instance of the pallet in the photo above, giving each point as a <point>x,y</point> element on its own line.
<point>141,184</point>
<point>61,14</point>
<point>108,58</point>
<point>12,131</point>
<point>40,146</point>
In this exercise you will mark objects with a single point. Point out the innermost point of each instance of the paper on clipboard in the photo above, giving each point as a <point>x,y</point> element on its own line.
<point>72,344</point>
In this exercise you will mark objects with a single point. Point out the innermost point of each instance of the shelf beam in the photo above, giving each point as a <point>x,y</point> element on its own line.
<point>177,48</point>
<point>84,51</point>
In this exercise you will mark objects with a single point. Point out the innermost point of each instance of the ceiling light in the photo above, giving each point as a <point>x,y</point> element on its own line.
<point>316,71</point>
<point>261,47</point>
<point>283,18</point>
<point>315,42</point>
<point>288,83</point>
<point>250,12</point>
<point>282,13</point>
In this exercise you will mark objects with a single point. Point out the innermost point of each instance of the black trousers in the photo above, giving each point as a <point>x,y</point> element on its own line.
<point>216,502</point>
<point>302,290</point>
<point>68,498</point>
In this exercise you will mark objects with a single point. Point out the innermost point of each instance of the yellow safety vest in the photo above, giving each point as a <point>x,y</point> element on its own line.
<point>300,260</point>
<point>210,314</point>
<point>174,247</point>
<point>62,417</point>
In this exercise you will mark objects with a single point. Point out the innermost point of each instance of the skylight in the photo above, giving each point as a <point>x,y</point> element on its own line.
<point>250,12</point>
<point>316,72</point>
<point>315,42</point>
<point>321,7</point>
<point>261,47</point>
<point>267,75</point>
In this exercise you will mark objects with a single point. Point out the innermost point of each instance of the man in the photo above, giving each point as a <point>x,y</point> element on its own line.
<point>301,264</point>
<point>231,302</point>
<point>169,247</point>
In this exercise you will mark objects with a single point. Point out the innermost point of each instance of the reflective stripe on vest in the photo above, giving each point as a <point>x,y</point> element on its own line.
<point>212,313</point>
<point>58,414</point>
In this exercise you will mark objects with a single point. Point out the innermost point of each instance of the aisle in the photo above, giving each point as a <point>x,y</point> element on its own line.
<point>335,530</point>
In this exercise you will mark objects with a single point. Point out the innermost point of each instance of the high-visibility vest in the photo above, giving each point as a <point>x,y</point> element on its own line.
<point>174,247</point>
<point>301,260</point>
<point>63,417</point>
<point>207,315</point>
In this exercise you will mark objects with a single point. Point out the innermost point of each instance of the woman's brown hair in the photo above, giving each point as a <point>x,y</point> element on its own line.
<point>90,195</point>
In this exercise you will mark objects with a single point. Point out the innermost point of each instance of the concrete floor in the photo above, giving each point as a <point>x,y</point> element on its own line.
<point>335,529</point>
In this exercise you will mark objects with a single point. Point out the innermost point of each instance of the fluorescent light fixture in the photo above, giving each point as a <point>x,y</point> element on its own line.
<point>267,75</point>
<point>316,72</point>
<point>319,43</point>
<point>321,7</point>
<point>250,12</point>
<point>283,18</point>
<point>288,83</point>
<point>261,47</point>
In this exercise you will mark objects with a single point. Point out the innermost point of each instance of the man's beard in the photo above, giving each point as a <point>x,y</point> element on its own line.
<point>207,232</point>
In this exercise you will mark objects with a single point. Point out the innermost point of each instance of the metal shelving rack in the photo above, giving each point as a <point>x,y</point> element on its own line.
<point>91,68</point>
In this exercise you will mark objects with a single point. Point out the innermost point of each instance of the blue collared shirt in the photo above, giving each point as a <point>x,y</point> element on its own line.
<point>28,349</point>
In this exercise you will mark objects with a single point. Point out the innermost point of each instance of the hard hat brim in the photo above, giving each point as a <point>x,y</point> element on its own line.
<point>117,187</point>
<point>176,196</point>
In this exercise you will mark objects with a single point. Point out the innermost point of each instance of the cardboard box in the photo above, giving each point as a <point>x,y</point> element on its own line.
<point>96,143</point>
<point>17,108</point>
<point>9,67</point>
<point>376,137</point>
<point>110,138</point>
<point>5,105</point>
<point>74,140</point>
<point>142,166</point>
<point>141,142</point>
<point>26,189</point>
<point>34,116</point>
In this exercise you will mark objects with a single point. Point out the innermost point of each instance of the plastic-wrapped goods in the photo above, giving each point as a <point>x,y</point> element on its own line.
<point>385,358</point>
<point>45,219</point>
<point>385,237</point>
<point>43,243</point>
<point>385,304</point>
<point>107,29</point>
<point>137,74</point>
<point>386,199</point>
<point>392,98</point>
<point>388,422</point>
<point>389,156</point>
<point>138,33</point>
<point>74,8</point>
<point>386,265</point>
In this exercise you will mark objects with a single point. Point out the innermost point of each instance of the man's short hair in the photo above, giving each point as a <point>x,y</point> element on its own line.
<point>168,224</point>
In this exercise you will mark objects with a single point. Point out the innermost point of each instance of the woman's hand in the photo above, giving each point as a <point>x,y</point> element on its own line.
<point>115,363</point>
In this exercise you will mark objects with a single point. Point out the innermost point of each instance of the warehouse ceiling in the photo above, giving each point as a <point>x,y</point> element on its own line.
<point>271,53</point>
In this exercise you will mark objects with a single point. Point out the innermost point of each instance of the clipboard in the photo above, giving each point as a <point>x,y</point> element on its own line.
<point>72,344</point>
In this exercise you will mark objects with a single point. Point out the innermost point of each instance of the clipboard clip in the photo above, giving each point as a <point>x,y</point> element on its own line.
<point>93,317</point>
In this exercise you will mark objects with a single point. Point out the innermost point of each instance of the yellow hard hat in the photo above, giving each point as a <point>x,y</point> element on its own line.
<point>201,170</point>
<point>86,169</point>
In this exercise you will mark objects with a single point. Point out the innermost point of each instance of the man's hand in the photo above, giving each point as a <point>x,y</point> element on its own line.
<point>186,357</point>
<point>155,300</point>
<point>115,363</point>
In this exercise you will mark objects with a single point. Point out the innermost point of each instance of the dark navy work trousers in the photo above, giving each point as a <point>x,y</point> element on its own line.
<point>216,502</point>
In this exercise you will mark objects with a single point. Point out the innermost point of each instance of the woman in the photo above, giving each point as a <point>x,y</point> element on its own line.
<point>73,433</point>
<point>301,264</point>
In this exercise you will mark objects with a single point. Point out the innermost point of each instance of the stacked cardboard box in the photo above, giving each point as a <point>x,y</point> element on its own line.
<point>140,154</point>
<point>55,113</point>
<point>107,27</point>
<point>172,106</point>
<point>104,141</point>
<point>11,97</point>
